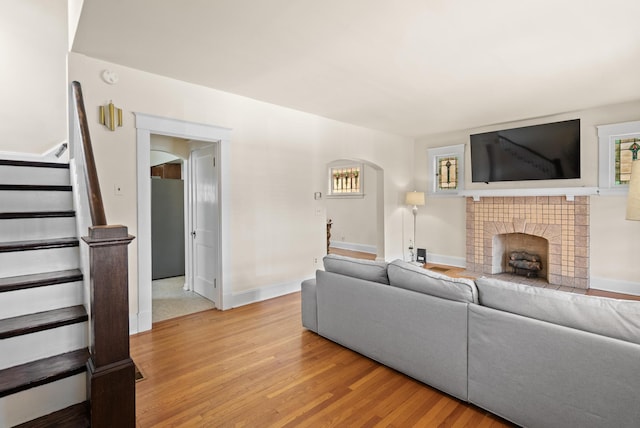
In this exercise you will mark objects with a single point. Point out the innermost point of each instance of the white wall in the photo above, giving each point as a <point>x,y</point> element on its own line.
<point>278,159</point>
<point>614,240</point>
<point>33,75</point>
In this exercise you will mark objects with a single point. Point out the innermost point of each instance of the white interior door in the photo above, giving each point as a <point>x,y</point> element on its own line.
<point>205,223</point>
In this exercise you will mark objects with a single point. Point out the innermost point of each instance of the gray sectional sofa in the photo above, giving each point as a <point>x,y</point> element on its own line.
<point>536,357</point>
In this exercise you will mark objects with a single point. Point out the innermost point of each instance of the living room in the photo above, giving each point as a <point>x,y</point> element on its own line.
<point>273,231</point>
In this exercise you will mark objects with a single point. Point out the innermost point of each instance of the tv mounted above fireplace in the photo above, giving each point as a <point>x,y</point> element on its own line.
<point>549,151</point>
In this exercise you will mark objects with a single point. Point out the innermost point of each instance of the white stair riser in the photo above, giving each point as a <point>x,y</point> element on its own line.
<point>24,201</point>
<point>42,344</point>
<point>40,299</point>
<point>39,261</point>
<point>25,229</point>
<point>35,402</point>
<point>32,175</point>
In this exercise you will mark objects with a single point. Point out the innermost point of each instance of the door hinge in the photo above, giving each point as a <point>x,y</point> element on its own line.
<point>214,162</point>
<point>215,283</point>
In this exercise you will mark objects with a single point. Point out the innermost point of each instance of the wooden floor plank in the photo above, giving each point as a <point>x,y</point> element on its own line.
<point>257,366</point>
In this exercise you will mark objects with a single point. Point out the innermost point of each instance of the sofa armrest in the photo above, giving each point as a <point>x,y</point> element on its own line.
<point>309,305</point>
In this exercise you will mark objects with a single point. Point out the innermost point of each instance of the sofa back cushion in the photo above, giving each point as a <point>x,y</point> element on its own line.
<point>357,268</point>
<point>415,278</point>
<point>608,317</point>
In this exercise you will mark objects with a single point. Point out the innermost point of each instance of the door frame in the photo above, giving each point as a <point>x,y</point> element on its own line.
<point>145,126</point>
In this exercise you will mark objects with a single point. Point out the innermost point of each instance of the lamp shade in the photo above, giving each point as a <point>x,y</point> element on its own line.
<point>415,198</point>
<point>633,199</point>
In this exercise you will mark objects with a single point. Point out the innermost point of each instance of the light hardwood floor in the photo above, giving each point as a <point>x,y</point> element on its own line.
<point>256,366</point>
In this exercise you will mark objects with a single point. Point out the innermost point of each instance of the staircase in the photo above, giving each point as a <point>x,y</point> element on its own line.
<point>43,320</point>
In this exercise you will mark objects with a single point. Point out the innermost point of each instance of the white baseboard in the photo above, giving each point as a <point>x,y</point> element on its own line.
<point>263,293</point>
<point>446,260</point>
<point>363,248</point>
<point>140,322</point>
<point>615,285</point>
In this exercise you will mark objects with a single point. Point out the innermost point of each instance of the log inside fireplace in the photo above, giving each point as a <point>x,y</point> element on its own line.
<point>525,264</point>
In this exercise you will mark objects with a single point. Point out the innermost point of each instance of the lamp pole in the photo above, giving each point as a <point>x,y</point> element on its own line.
<point>414,199</point>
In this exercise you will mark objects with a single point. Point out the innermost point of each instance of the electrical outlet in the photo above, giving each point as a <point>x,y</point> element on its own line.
<point>315,260</point>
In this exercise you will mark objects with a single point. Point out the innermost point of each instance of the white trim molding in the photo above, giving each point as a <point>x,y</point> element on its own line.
<point>432,181</point>
<point>569,192</point>
<point>264,293</point>
<point>363,248</point>
<point>615,286</point>
<point>56,154</point>
<point>439,259</point>
<point>145,126</point>
<point>607,136</point>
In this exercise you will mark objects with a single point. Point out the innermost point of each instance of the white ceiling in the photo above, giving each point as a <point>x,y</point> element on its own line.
<point>409,67</point>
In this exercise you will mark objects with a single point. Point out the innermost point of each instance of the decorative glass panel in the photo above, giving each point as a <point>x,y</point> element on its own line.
<point>445,170</point>
<point>626,150</point>
<point>447,173</point>
<point>346,180</point>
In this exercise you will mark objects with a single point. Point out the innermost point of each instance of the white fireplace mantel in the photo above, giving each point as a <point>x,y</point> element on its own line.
<point>569,192</point>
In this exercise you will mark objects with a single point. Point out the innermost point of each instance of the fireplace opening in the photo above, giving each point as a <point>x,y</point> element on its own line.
<point>520,253</point>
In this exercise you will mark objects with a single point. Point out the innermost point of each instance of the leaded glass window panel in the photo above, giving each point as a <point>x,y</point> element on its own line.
<point>346,180</point>
<point>625,151</point>
<point>447,172</point>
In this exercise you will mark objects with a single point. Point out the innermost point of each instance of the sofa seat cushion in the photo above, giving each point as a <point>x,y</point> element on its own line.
<point>408,276</point>
<point>600,315</point>
<point>356,268</point>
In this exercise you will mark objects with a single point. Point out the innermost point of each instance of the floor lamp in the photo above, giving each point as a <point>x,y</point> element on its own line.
<point>417,200</point>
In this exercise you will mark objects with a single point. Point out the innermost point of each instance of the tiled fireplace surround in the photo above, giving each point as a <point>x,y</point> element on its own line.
<point>563,223</point>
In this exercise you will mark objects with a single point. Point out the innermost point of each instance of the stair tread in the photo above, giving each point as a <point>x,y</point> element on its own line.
<point>28,187</point>
<point>31,323</point>
<point>39,279</point>
<point>36,214</point>
<point>39,244</point>
<point>76,416</point>
<point>36,373</point>
<point>36,164</point>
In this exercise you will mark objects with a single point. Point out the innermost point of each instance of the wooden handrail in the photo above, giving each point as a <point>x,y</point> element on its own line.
<point>96,206</point>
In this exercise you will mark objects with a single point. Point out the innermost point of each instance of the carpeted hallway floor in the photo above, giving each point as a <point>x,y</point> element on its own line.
<point>170,300</point>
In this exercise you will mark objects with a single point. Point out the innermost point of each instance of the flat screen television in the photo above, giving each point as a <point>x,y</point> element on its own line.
<point>541,152</point>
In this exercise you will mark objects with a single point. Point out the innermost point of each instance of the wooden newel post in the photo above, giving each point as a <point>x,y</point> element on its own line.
<point>111,372</point>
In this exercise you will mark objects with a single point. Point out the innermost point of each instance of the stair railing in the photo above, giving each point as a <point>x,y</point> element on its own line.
<point>96,205</point>
<point>110,370</point>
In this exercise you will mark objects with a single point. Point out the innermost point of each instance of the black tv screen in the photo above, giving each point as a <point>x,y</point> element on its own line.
<point>541,152</point>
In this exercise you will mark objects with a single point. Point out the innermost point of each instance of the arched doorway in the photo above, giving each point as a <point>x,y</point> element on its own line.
<point>364,212</point>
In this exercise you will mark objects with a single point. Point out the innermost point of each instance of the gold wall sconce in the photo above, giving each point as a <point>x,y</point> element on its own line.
<point>114,117</point>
